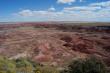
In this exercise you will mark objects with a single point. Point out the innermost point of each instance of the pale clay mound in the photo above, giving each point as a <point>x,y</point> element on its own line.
<point>53,47</point>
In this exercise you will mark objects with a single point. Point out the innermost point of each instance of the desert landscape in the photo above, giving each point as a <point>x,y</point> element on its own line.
<point>55,44</point>
<point>54,36</point>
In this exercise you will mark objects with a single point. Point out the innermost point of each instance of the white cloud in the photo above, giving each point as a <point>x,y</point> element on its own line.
<point>69,15</point>
<point>82,8</point>
<point>79,13</point>
<point>51,8</point>
<point>104,4</point>
<point>35,13</point>
<point>66,1</point>
<point>26,13</point>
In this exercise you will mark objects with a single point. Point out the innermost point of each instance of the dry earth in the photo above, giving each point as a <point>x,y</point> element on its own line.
<point>53,47</point>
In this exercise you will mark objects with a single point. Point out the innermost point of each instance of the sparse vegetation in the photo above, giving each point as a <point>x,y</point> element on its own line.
<point>53,46</point>
<point>23,65</point>
<point>7,66</point>
<point>88,65</point>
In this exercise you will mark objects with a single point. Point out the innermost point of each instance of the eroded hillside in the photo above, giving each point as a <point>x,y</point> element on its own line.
<point>50,46</point>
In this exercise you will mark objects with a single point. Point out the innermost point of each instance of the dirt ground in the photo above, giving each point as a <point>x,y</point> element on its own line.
<point>50,46</point>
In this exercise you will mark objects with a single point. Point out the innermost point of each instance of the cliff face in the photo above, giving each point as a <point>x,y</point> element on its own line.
<point>53,47</point>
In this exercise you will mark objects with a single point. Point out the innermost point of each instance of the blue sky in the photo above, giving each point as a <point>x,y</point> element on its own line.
<point>54,10</point>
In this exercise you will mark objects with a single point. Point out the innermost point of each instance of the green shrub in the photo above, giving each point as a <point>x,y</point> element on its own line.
<point>7,66</point>
<point>88,65</point>
<point>24,66</point>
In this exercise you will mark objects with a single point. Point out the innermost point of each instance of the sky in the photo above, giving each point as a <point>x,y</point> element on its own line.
<point>54,10</point>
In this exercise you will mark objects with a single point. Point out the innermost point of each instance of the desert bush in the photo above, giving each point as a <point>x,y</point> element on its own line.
<point>24,66</point>
<point>21,65</point>
<point>47,69</point>
<point>7,66</point>
<point>88,65</point>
